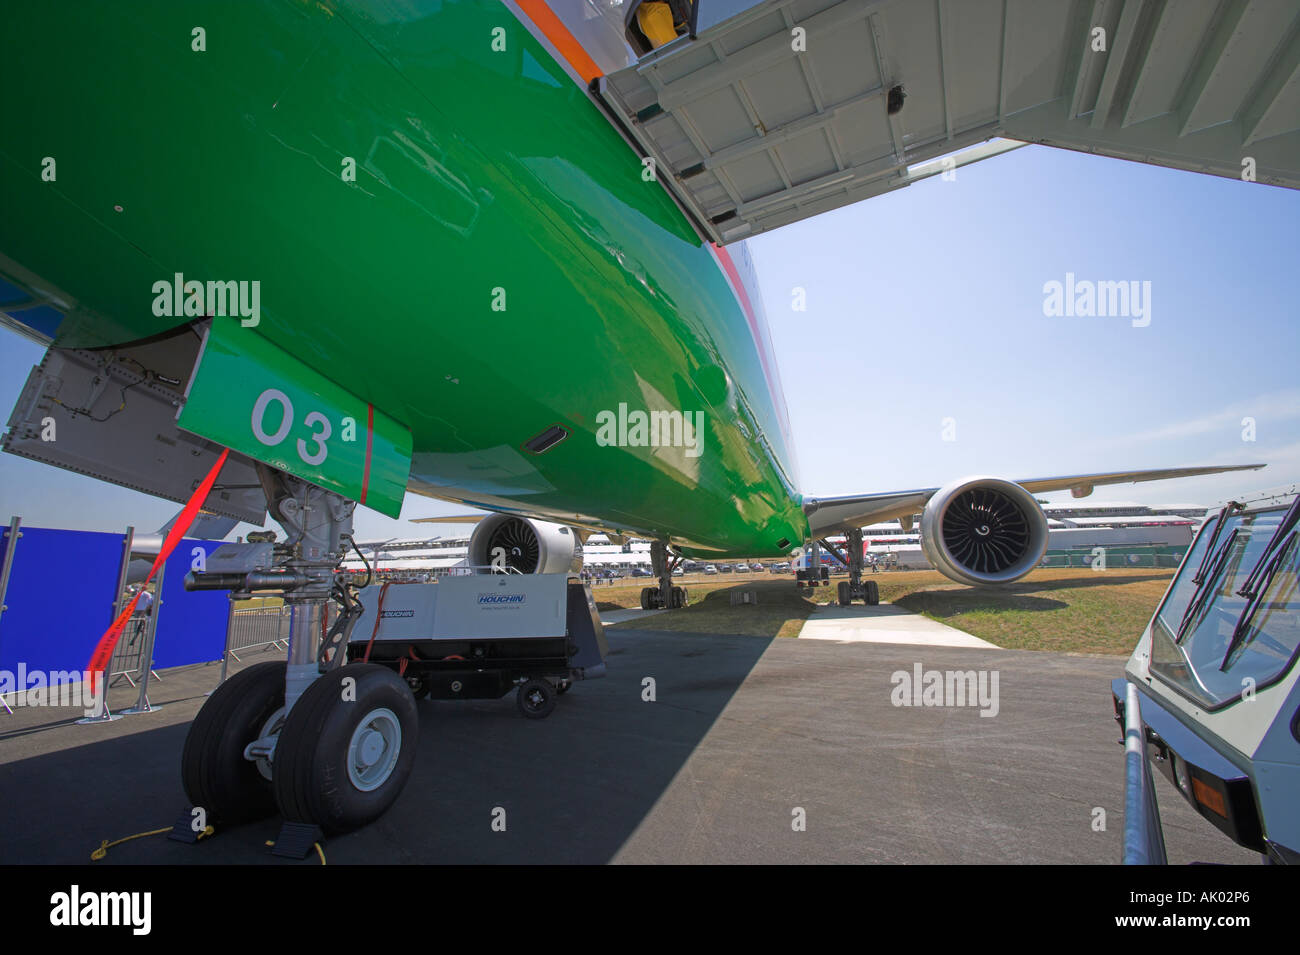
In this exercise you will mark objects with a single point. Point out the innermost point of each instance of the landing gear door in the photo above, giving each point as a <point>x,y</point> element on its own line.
<point>110,413</point>
<point>255,398</point>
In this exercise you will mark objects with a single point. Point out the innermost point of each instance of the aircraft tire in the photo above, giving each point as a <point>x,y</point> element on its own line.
<point>230,789</point>
<point>347,748</point>
<point>873,593</point>
<point>844,596</point>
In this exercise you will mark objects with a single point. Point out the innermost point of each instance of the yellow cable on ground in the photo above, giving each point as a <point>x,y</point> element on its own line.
<point>106,845</point>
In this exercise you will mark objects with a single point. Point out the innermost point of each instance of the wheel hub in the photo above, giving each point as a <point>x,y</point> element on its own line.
<point>262,750</point>
<point>373,750</point>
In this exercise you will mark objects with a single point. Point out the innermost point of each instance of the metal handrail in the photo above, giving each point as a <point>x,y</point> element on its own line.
<point>1144,840</point>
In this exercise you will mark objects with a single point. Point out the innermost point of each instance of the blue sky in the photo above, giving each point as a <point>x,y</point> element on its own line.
<point>927,304</point>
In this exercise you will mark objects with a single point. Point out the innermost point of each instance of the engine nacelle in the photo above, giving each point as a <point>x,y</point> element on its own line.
<point>505,543</point>
<point>983,530</point>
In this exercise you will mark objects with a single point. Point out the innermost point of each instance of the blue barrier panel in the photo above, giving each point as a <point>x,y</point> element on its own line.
<point>191,624</point>
<point>60,598</point>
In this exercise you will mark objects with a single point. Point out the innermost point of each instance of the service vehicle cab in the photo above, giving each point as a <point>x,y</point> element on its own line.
<point>1211,694</point>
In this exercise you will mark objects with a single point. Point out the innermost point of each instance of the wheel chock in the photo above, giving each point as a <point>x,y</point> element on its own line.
<point>183,828</point>
<point>296,840</point>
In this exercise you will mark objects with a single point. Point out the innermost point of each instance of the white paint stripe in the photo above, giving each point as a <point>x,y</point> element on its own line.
<point>885,624</point>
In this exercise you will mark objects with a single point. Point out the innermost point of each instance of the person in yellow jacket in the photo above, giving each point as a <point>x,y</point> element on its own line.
<point>655,19</point>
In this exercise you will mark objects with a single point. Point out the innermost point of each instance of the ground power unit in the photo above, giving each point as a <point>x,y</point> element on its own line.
<point>480,636</point>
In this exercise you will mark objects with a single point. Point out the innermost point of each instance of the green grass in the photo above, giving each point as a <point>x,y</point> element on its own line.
<point>1064,610</point>
<point>780,611</point>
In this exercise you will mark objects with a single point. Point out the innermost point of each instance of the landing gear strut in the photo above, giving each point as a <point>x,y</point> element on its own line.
<point>328,744</point>
<point>855,588</point>
<point>664,596</point>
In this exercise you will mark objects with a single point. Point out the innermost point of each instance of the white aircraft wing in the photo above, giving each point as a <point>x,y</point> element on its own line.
<point>828,515</point>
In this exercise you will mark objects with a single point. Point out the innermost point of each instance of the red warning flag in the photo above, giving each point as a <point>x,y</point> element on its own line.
<point>104,649</point>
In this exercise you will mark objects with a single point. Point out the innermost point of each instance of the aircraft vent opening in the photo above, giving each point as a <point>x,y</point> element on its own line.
<point>506,544</point>
<point>983,530</point>
<point>546,440</point>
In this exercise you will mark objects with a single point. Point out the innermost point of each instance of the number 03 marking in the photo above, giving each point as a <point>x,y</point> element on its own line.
<point>313,419</point>
<point>320,437</point>
<point>259,416</point>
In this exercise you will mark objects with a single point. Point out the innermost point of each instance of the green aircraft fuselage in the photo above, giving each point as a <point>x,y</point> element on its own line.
<point>497,265</point>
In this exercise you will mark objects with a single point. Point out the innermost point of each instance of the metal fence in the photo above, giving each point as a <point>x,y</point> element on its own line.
<point>250,630</point>
<point>126,655</point>
<point>1116,557</point>
<point>263,628</point>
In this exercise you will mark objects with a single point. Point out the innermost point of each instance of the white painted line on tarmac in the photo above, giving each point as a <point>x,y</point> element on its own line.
<point>608,617</point>
<point>884,624</point>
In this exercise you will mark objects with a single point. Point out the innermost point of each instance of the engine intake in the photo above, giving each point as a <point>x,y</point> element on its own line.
<point>983,530</point>
<point>504,543</point>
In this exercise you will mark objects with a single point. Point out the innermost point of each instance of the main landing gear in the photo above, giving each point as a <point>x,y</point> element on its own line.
<point>327,743</point>
<point>855,588</point>
<point>665,596</point>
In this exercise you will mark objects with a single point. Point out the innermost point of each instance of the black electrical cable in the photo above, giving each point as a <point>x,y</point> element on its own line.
<point>370,575</point>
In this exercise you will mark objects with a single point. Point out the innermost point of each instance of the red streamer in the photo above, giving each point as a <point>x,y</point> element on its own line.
<point>99,660</point>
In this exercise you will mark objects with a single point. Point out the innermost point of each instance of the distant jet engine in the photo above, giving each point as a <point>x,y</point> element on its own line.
<point>983,530</point>
<point>503,543</point>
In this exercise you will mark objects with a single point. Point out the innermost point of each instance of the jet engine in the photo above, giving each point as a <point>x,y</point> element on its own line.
<point>504,543</point>
<point>983,530</point>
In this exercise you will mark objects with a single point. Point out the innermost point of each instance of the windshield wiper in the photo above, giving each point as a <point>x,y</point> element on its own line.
<point>1202,592</point>
<point>1283,529</point>
<point>1256,597</point>
<point>1199,576</point>
<point>1261,576</point>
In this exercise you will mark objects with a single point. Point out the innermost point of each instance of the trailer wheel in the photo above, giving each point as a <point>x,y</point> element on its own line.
<point>217,778</point>
<point>536,699</point>
<point>347,748</point>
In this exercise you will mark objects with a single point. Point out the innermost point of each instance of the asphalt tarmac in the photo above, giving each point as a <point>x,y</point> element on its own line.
<point>753,750</point>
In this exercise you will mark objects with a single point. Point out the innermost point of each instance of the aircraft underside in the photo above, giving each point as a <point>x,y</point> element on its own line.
<point>314,258</point>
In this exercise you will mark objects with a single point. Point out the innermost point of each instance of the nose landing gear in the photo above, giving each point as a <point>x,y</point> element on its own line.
<point>329,744</point>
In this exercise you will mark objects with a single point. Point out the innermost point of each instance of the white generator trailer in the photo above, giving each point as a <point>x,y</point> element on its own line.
<point>479,636</point>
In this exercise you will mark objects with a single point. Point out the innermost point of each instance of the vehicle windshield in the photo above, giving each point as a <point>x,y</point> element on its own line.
<point>1195,662</point>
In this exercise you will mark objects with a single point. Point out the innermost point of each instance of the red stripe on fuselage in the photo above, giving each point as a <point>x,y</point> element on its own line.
<point>760,341</point>
<point>370,444</point>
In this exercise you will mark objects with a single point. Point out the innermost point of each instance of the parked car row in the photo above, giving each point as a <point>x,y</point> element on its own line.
<point>684,567</point>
